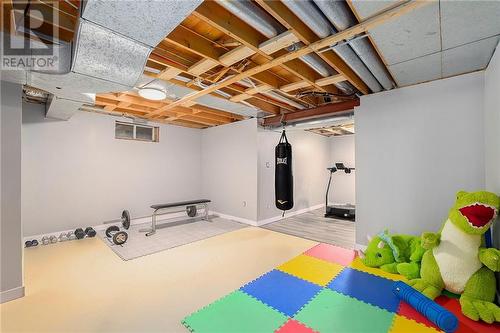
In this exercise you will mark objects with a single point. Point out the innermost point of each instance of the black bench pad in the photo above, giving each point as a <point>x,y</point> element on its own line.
<point>181,203</point>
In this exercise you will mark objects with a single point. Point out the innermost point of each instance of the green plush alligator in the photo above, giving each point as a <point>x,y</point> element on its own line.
<point>456,259</point>
<point>398,254</point>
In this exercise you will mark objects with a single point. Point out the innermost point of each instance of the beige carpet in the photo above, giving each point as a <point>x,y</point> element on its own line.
<point>82,286</point>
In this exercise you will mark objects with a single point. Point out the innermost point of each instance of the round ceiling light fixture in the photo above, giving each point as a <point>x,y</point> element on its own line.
<point>154,94</point>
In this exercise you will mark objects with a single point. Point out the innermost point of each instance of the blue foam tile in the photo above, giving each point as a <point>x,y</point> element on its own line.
<point>282,291</point>
<point>367,288</point>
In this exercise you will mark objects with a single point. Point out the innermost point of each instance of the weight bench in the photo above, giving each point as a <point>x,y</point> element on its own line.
<point>201,202</point>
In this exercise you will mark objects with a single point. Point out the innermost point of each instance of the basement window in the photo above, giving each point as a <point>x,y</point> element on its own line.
<point>138,132</point>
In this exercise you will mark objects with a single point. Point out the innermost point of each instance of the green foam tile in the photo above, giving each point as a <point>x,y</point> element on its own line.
<point>237,312</point>
<point>330,311</point>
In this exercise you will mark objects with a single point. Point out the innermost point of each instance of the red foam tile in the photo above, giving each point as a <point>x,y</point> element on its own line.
<point>293,326</point>
<point>465,325</point>
<point>332,253</point>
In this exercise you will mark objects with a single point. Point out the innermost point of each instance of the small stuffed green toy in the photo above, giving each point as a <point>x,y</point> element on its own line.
<point>398,254</point>
<point>456,259</point>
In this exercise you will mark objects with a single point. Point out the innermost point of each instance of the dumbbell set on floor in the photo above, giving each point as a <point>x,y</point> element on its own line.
<point>64,236</point>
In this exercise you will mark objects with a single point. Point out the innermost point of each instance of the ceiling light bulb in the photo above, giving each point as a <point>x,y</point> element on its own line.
<point>153,94</point>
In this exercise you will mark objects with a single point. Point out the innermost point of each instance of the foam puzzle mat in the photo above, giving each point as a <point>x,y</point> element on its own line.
<point>325,289</point>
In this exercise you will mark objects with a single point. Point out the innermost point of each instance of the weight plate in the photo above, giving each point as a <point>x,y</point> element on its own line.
<point>120,237</point>
<point>191,211</point>
<point>91,233</point>
<point>79,233</point>
<point>111,229</point>
<point>126,219</point>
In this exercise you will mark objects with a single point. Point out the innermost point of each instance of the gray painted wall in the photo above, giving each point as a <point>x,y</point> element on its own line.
<point>11,245</point>
<point>492,129</point>
<point>76,174</point>
<point>229,168</point>
<point>416,147</point>
<point>311,157</point>
<point>343,185</point>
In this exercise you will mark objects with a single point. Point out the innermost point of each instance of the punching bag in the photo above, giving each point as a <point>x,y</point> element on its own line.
<point>283,177</point>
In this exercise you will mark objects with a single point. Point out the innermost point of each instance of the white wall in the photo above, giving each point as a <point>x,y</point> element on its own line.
<point>11,245</point>
<point>416,147</point>
<point>343,185</point>
<point>310,156</point>
<point>76,174</point>
<point>229,168</point>
<point>492,129</point>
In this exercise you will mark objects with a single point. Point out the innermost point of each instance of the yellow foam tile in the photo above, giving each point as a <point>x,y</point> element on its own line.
<point>358,264</point>
<point>311,269</point>
<point>403,325</point>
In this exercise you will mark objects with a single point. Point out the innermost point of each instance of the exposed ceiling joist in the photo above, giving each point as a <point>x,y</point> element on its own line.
<point>281,13</point>
<point>218,17</point>
<point>317,46</point>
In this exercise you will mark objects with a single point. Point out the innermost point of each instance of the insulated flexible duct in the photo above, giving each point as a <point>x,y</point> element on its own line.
<point>339,14</point>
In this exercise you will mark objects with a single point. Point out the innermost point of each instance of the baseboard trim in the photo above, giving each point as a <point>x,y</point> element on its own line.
<point>181,214</point>
<point>234,218</point>
<point>11,294</point>
<point>104,226</point>
<point>360,247</point>
<point>289,214</point>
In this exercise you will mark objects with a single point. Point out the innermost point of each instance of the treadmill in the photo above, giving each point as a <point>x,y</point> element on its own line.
<point>347,211</point>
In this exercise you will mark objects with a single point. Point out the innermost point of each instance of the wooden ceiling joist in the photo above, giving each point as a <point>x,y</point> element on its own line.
<point>288,19</point>
<point>279,42</point>
<point>251,91</point>
<point>217,16</point>
<point>317,46</point>
<point>131,103</point>
<point>235,55</point>
<point>318,112</point>
<point>330,80</point>
<point>294,86</point>
<point>169,73</point>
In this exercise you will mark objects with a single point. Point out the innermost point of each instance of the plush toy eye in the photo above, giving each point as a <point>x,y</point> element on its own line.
<point>379,255</point>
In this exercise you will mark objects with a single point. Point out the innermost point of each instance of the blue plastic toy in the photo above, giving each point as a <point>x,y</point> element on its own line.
<point>443,318</point>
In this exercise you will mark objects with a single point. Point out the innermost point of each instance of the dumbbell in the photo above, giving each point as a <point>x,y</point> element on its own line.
<point>53,239</point>
<point>31,243</point>
<point>79,233</point>
<point>70,235</point>
<point>63,237</point>
<point>118,237</point>
<point>45,240</point>
<point>90,232</point>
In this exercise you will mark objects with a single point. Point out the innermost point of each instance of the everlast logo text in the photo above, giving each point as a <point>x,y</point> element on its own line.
<point>281,160</point>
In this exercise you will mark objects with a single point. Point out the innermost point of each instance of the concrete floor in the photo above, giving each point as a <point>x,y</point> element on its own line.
<point>82,286</point>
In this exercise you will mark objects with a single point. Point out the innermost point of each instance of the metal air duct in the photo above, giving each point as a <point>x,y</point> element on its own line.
<point>314,19</point>
<point>253,15</point>
<point>109,52</point>
<point>266,25</point>
<point>339,14</point>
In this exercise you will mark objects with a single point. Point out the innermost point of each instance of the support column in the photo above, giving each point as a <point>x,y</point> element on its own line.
<point>11,241</point>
